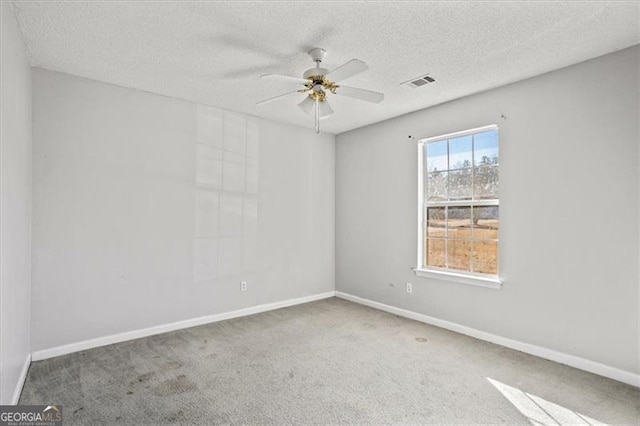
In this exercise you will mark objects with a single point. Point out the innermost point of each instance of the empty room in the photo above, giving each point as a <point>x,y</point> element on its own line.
<point>331,212</point>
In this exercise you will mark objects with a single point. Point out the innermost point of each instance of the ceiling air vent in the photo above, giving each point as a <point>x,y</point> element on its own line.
<point>414,83</point>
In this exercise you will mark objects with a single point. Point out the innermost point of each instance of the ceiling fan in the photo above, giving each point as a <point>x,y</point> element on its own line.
<point>318,82</point>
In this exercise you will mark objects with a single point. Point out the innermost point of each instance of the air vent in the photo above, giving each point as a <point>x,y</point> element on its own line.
<point>414,83</point>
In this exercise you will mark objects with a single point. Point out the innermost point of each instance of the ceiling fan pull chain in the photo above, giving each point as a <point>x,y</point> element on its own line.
<point>317,117</point>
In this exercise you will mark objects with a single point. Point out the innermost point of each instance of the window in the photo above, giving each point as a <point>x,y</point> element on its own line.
<point>459,206</point>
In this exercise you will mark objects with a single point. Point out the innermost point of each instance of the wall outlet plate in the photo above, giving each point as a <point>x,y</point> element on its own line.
<point>408,287</point>
<point>243,286</point>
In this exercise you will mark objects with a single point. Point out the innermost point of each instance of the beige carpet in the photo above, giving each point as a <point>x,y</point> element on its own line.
<point>330,361</point>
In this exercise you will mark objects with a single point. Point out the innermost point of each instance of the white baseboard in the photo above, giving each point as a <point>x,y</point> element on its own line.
<point>21,379</point>
<point>550,354</point>
<point>136,334</point>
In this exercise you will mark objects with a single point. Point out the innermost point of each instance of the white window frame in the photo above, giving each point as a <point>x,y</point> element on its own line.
<point>463,277</point>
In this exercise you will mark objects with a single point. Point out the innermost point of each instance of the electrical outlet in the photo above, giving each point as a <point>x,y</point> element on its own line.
<point>243,286</point>
<point>408,287</point>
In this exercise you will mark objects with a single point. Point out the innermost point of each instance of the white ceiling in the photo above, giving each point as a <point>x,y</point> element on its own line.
<point>214,52</point>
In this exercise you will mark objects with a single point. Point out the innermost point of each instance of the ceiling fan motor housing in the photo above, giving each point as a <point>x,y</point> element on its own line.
<point>315,72</point>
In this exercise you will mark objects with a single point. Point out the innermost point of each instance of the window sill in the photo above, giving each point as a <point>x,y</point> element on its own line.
<point>488,282</point>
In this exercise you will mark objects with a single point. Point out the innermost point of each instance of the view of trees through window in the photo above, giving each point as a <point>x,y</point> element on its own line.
<point>461,203</point>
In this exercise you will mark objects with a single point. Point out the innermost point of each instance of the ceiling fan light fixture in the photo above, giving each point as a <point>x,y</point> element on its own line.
<point>318,109</point>
<point>307,105</point>
<point>325,109</point>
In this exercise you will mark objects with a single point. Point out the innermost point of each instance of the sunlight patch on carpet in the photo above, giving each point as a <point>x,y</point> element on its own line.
<point>540,411</point>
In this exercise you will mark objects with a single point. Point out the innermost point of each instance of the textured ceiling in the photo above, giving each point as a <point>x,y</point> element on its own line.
<point>214,52</point>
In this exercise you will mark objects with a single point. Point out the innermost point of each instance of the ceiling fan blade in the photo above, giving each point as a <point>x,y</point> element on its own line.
<point>351,68</point>
<point>362,94</point>
<point>275,98</point>
<point>285,78</point>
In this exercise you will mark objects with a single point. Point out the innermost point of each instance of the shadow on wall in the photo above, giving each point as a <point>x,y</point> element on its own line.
<point>226,203</point>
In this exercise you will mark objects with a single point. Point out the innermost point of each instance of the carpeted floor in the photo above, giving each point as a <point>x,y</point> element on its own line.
<point>330,361</point>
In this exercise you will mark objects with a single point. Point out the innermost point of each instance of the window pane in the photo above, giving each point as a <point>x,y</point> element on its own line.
<point>460,152</point>
<point>485,148</point>
<point>486,182</point>
<point>485,257</point>
<point>436,222</point>
<point>435,252</point>
<point>459,222</point>
<point>460,184</point>
<point>459,254</point>
<point>458,173</point>
<point>437,186</point>
<point>436,156</point>
<point>486,222</point>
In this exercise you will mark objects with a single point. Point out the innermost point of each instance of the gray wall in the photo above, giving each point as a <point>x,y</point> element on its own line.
<point>569,211</point>
<point>150,210</point>
<point>15,206</point>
